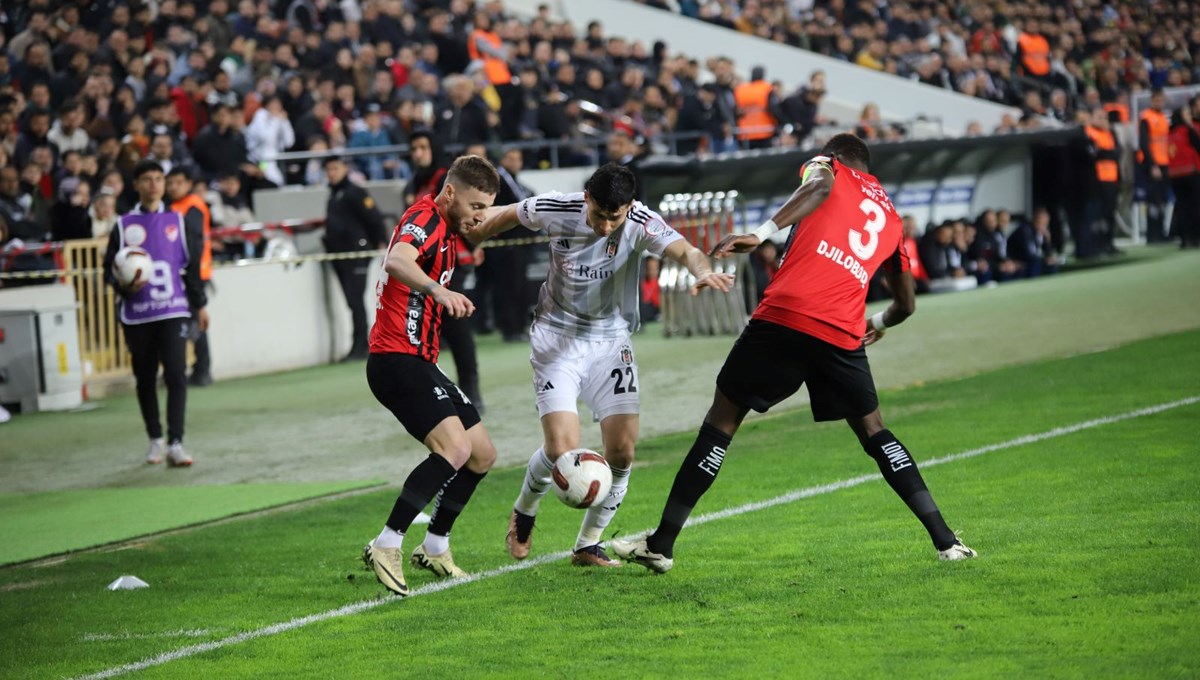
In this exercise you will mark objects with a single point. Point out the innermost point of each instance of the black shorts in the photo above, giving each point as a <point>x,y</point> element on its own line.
<point>769,362</point>
<point>417,393</point>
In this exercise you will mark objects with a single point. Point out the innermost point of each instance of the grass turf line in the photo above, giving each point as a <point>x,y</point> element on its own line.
<point>246,575</point>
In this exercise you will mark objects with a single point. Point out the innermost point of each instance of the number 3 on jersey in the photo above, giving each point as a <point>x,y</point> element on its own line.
<point>876,220</point>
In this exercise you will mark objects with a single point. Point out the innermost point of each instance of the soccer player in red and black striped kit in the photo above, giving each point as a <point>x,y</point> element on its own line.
<point>810,328</point>
<point>403,374</point>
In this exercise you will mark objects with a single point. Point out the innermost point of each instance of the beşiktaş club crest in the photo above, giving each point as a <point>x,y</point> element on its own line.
<point>172,233</point>
<point>627,355</point>
<point>611,248</point>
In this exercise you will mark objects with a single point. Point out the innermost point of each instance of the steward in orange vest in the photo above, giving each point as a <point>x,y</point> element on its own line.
<point>1034,51</point>
<point>485,45</point>
<point>1104,149</point>
<point>191,202</point>
<point>1154,155</point>
<point>758,111</point>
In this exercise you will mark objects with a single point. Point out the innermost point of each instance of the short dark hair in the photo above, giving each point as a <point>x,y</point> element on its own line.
<point>177,171</point>
<point>143,166</point>
<point>611,186</point>
<point>475,172</point>
<point>848,147</point>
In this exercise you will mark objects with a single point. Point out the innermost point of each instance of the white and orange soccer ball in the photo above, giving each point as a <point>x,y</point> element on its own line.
<point>132,264</point>
<point>582,478</point>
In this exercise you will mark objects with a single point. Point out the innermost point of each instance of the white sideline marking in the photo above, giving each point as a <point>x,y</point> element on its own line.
<point>438,586</point>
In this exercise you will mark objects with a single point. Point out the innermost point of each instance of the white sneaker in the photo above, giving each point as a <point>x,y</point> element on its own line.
<point>177,457</point>
<point>956,552</point>
<point>5,416</point>
<point>158,449</point>
<point>639,553</point>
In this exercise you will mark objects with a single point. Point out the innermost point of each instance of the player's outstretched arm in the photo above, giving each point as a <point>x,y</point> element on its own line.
<point>804,200</point>
<point>697,263</point>
<point>497,220</point>
<point>904,303</point>
<point>402,266</point>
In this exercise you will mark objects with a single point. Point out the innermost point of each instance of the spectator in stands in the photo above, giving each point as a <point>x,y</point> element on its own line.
<point>428,167</point>
<point>988,250</point>
<point>67,133</point>
<point>870,127</point>
<point>268,135</point>
<point>33,135</point>
<point>21,208</point>
<point>228,204</point>
<point>461,118</point>
<point>69,214</point>
<point>1031,247</point>
<point>352,224</point>
<point>803,108</point>
<point>372,134</point>
<point>699,115</point>
<point>162,151</point>
<point>103,212</point>
<point>939,255</point>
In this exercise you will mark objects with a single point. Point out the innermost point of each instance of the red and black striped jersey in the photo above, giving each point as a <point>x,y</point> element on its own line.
<point>407,321</point>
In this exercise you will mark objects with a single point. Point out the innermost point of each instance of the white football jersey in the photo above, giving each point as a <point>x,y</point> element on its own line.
<point>593,285</point>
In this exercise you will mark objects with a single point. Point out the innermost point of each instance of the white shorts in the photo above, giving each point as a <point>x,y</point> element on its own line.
<point>602,372</point>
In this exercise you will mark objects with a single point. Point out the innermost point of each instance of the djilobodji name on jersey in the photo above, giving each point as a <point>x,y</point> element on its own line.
<point>839,257</point>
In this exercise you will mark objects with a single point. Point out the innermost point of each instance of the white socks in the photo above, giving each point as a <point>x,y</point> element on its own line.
<point>436,545</point>
<point>537,483</point>
<point>389,538</point>
<point>598,516</point>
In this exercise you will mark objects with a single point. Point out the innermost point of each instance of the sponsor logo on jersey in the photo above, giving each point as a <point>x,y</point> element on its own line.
<point>172,233</point>
<point>439,393</point>
<point>412,321</point>
<point>611,248</point>
<point>585,272</point>
<point>418,234</point>
<point>840,258</point>
<point>546,387</point>
<point>135,235</point>
<point>627,355</point>
<point>563,243</point>
<point>525,211</point>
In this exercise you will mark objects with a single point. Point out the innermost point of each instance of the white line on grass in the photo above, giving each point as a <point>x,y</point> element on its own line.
<point>790,497</point>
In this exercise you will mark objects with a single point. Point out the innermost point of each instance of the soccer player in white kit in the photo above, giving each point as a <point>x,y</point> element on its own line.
<point>581,346</point>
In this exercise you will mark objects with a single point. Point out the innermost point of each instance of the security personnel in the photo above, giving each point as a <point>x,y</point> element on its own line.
<point>1034,51</point>
<point>352,224</point>
<point>1096,236</point>
<point>196,217</point>
<point>1154,130</point>
<point>758,110</point>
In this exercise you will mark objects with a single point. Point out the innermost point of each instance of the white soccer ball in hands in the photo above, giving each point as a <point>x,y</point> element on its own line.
<point>132,265</point>
<point>582,478</point>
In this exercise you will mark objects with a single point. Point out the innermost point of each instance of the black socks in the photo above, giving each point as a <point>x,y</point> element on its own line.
<point>423,483</point>
<point>452,499</point>
<point>900,471</point>
<point>696,475</point>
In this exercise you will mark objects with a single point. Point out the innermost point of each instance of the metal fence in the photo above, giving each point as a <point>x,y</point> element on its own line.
<point>703,219</point>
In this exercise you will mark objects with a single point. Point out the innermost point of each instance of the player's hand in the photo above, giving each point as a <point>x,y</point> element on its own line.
<point>735,243</point>
<point>873,336</point>
<point>457,305</point>
<point>1155,173</point>
<point>202,319</point>
<point>721,282</point>
<point>135,287</point>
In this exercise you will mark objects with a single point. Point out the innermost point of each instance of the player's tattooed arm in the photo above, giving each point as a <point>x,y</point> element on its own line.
<point>402,266</point>
<point>803,202</point>
<point>697,263</point>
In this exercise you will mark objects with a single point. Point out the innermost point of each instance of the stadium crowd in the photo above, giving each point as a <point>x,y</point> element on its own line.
<point>1049,58</point>
<point>222,88</point>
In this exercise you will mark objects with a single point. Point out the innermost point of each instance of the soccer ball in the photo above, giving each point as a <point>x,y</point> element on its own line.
<point>132,264</point>
<point>582,478</point>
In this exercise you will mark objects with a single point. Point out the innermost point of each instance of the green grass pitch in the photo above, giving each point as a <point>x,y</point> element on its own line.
<point>1088,543</point>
